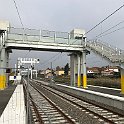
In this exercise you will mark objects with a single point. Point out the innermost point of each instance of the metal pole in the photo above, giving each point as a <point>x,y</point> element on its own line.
<point>54,36</point>
<point>36,74</point>
<point>28,98</point>
<point>51,72</point>
<point>31,68</point>
<point>40,34</point>
<point>15,69</point>
<point>31,73</point>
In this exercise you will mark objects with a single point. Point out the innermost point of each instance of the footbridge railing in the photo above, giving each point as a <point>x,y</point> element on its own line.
<point>41,36</point>
<point>107,51</point>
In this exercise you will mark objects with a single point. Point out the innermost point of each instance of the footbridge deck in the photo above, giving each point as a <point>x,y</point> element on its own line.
<point>31,39</point>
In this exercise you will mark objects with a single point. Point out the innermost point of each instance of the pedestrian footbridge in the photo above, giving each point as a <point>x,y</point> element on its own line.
<point>31,39</point>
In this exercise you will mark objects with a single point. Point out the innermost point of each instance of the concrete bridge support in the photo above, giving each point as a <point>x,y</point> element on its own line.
<point>84,69</point>
<point>4,61</point>
<point>79,70</point>
<point>73,60</point>
<point>7,58</point>
<point>2,69</point>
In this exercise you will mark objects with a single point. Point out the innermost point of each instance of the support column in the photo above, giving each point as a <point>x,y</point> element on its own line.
<point>31,68</point>
<point>31,73</point>
<point>7,65</point>
<point>7,58</point>
<point>79,71</point>
<point>122,80</point>
<point>2,70</point>
<point>0,48</point>
<point>84,70</point>
<point>72,69</point>
<point>36,74</point>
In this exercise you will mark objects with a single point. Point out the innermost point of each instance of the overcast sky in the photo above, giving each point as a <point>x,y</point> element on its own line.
<point>64,15</point>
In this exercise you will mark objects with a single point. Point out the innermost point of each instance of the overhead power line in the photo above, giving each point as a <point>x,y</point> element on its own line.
<point>57,57</point>
<point>110,28</point>
<point>18,13</point>
<point>105,19</point>
<point>111,32</point>
<point>47,61</point>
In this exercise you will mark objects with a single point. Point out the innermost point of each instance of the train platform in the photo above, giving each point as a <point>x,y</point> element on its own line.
<point>12,105</point>
<point>5,96</point>
<point>106,90</point>
<point>113,101</point>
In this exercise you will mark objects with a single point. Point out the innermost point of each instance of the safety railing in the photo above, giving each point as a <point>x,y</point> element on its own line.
<point>33,35</point>
<point>112,53</point>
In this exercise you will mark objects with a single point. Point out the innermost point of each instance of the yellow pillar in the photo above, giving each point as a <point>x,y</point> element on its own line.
<point>2,82</point>
<point>79,80</point>
<point>84,81</point>
<point>122,81</point>
<point>2,69</point>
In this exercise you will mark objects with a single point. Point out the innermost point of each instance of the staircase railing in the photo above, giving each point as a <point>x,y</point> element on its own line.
<point>105,50</point>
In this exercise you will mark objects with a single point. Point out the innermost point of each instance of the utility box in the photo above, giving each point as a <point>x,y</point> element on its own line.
<point>4,25</point>
<point>77,34</point>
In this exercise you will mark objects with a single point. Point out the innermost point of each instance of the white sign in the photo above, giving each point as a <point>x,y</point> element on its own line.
<point>14,78</point>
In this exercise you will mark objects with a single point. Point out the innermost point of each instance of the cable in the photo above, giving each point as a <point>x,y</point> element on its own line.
<point>100,35</point>
<point>18,13</point>
<point>57,57</point>
<point>49,59</point>
<point>105,19</point>
<point>27,54</point>
<point>110,28</point>
<point>111,32</point>
<point>53,60</point>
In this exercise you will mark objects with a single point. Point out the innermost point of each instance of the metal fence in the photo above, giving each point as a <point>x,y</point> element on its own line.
<point>33,35</point>
<point>112,53</point>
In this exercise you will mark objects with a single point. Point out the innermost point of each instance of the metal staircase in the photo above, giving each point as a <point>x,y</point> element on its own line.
<point>107,51</point>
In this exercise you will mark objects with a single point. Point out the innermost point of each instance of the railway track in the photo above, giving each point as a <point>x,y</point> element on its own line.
<point>44,111</point>
<point>101,114</point>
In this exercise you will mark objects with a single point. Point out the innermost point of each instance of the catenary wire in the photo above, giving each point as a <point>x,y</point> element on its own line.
<point>111,32</point>
<point>110,28</point>
<point>50,59</point>
<point>53,60</point>
<point>18,13</point>
<point>105,19</point>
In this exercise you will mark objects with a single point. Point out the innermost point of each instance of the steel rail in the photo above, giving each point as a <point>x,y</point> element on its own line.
<point>54,105</point>
<point>38,115</point>
<point>96,114</point>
